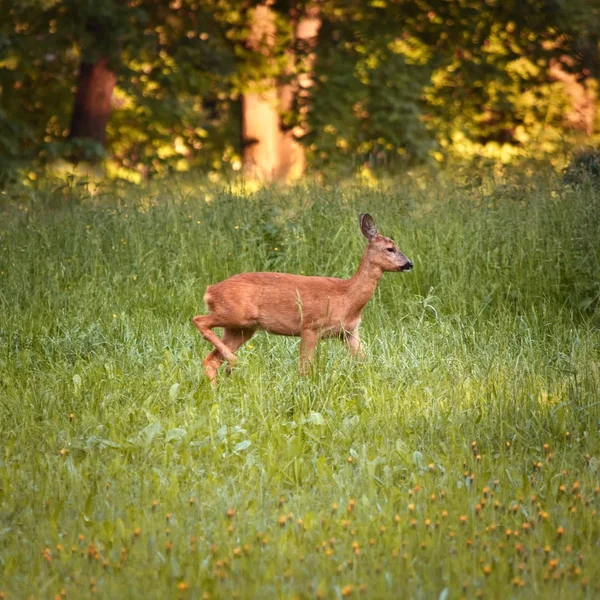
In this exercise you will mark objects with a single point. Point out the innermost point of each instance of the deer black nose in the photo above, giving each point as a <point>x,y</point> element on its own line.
<point>407,266</point>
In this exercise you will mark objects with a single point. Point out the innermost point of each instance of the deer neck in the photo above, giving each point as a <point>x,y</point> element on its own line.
<point>363,283</point>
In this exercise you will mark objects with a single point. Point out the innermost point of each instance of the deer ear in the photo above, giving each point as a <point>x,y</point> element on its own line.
<point>367,226</point>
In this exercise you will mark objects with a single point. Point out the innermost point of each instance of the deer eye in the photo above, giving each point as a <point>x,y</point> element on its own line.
<point>391,249</point>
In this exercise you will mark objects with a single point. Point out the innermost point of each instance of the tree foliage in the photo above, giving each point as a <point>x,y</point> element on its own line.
<point>396,81</point>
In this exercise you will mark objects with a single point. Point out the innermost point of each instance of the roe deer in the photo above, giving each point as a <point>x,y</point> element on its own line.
<point>296,305</point>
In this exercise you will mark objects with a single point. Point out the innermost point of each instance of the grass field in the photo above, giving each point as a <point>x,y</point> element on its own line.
<point>460,458</point>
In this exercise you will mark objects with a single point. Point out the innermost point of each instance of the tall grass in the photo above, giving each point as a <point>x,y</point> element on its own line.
<point>461,458</point>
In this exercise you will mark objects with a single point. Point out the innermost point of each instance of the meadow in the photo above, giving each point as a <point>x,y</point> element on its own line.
<point>460,458</point>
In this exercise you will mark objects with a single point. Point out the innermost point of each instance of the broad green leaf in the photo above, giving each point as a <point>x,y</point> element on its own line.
<point>175,434</point>
<point>241,446</point>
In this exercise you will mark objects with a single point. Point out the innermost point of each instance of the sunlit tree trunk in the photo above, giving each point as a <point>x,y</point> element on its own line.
<point>260,134</point>
<point>583,97</point>
<point>260,116</point>
<point>92,105</point>
<point>271,150</point>
<point>292,161</point>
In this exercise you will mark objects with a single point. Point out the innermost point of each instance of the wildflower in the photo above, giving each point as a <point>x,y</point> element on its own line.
<point>519,548</point>
<point>182,586</point>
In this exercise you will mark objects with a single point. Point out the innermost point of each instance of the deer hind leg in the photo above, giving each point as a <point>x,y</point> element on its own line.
<point>308,343</point>
<point>232,339</point>
<point>204,324</point>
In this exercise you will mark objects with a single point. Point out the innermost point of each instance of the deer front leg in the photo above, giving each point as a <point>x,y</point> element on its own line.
<point>352,340</point>
<point>308,343</point>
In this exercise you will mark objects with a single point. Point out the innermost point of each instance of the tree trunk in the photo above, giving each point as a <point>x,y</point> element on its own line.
<point>260,117</point>
<point>260,134</point>
<point>91,109</point>
<point>292,162</point>
<point>582,97</point>
<point>270,149</point>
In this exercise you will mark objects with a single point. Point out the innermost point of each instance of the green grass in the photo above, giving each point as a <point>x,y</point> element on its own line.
<point>460,458</point>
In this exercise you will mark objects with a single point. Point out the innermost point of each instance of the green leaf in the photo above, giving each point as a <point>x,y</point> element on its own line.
<point>241,446</point>
<point>174,392</point>
<point>175,434</point>
<point>147,435</point>
<point>419,459</point>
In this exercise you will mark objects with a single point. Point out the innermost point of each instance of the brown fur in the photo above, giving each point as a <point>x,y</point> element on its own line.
<point>296,305</point>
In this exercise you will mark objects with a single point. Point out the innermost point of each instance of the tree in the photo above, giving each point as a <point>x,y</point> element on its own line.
<point>274,107</point>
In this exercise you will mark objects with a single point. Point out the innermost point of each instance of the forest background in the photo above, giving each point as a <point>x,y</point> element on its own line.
<point>274,89</point>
